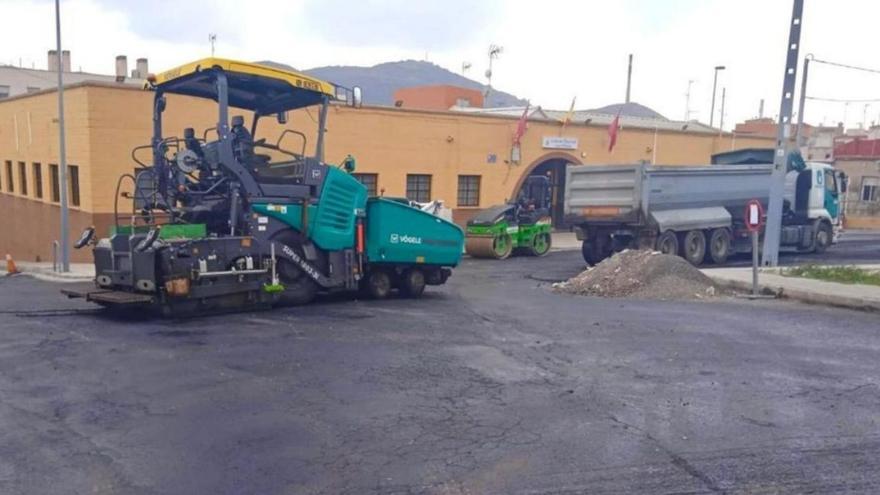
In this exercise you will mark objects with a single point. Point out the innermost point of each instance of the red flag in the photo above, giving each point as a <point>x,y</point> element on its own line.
<point>612,132</point>
<point>521,125</point>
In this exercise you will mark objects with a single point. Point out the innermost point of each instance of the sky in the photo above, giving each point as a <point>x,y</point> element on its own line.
<point>553,50</point>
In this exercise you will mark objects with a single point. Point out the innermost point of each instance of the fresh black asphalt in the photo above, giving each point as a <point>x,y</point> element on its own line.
<point>491,384</point>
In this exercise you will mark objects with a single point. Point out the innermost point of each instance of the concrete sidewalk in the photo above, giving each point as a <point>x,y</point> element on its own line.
<point>564,241</point>
<point>79,272</point>
<point>863,297</point>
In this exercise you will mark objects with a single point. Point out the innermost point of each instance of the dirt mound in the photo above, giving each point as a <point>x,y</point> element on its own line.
<point>641,274</point>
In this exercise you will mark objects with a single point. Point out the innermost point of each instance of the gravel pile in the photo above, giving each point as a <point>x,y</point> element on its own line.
<point>643,275</point>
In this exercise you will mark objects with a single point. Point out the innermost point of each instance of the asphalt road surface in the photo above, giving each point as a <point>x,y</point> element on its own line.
<point>491,384</point>
<point>853,247</point>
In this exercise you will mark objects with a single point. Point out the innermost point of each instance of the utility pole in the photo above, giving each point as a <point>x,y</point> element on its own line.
<point>212,38</point>
<point>773,228</point>
<point>761,109</point>
<point>687,101</point>
<point>723,99</point>
<point>62,159</point>
<point>714,87</point>
<point>629,75</point>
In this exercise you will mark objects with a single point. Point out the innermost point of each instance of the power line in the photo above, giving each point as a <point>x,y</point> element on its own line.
<point>843,100</point>
<point>846,66</point>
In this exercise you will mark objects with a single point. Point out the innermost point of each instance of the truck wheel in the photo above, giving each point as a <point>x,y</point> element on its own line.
<point>693,247</point>
<point>591,253</point>
<point>378,285</point>
<point>667,243</point>
<point>412,283</point>
<point>719,246</point>
<point>540,244</point>
<point>823,236</point>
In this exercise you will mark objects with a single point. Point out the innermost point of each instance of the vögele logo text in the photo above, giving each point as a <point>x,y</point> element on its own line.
<point>405,239</point>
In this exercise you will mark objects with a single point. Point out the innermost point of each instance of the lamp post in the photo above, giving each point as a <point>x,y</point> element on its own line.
<point>714,88</point>
<point>62,159</point>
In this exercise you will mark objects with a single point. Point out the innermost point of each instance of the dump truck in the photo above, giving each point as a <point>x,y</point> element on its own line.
<point>238,220</point>
<point>697,212</point>
<point>521,227</point>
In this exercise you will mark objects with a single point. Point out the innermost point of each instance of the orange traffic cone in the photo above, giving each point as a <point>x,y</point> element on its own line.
<point>11,269</point>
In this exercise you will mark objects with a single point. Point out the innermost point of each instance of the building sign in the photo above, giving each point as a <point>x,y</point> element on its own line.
<point>560,143</point>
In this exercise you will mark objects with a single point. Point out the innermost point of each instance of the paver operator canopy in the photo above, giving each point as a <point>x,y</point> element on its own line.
<point>260,89</point>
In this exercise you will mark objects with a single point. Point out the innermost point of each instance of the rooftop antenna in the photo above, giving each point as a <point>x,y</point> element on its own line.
<point>494,52</point>
<point>687,101</point>
<point>465,66</point>
<point>212,38</point>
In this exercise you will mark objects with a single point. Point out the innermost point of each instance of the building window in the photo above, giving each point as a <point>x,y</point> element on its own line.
<point>4,91</point>
<point>53,178</point>
<point>10,187</point>
<point>871,189</point>
<point>462,102</point>
<point>73,182</point>
<point>371,181</point>
<point>468,190</point>
<point>38,180</point>
<point>22,178</point>
<point>418,187</point>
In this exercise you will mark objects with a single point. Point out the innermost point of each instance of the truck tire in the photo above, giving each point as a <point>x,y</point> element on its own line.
<point>719,246</point>
<point>377,284</point>
<point>412,283</point>
<point>591,252</point>
<point>667,243</point>
<point>693,247</point>
<point>823,235</point>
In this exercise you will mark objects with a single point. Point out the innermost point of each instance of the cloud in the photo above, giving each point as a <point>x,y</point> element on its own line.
<point>553,49</point>
<point>420,25</point>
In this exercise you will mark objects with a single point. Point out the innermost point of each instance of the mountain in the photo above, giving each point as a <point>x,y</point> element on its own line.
<point>629,110</point>
<point>380,81</point>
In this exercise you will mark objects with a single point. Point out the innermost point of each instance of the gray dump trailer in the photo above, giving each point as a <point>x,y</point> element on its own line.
<point>696,211</point>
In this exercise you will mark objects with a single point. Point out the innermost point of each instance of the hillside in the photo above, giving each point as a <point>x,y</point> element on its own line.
<point>380,81</point>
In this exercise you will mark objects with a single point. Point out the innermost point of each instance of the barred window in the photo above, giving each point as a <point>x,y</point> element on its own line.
<point>22,178</point>
<point>418,187</point>
<point>371,181</point>
<point>73,183</point>
<point>468,190</point>
<point>870,189</point>
<point>38,180</point>
<point>10,186</point>
<point>55,183</point>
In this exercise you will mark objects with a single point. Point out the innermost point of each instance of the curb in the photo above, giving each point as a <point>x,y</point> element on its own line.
<point>58,278</point>
<point>803,295</point>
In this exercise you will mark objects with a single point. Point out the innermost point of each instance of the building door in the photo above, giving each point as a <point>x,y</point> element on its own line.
<point>554,169</point>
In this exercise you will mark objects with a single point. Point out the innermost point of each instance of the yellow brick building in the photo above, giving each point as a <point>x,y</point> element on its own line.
<point>105,121</point>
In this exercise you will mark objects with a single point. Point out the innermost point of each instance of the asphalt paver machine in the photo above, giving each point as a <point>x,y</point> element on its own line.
<point>230,220</point>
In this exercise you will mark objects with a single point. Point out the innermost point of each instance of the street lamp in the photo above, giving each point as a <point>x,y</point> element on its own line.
<point>714,87</point>
<point>62,161</point>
